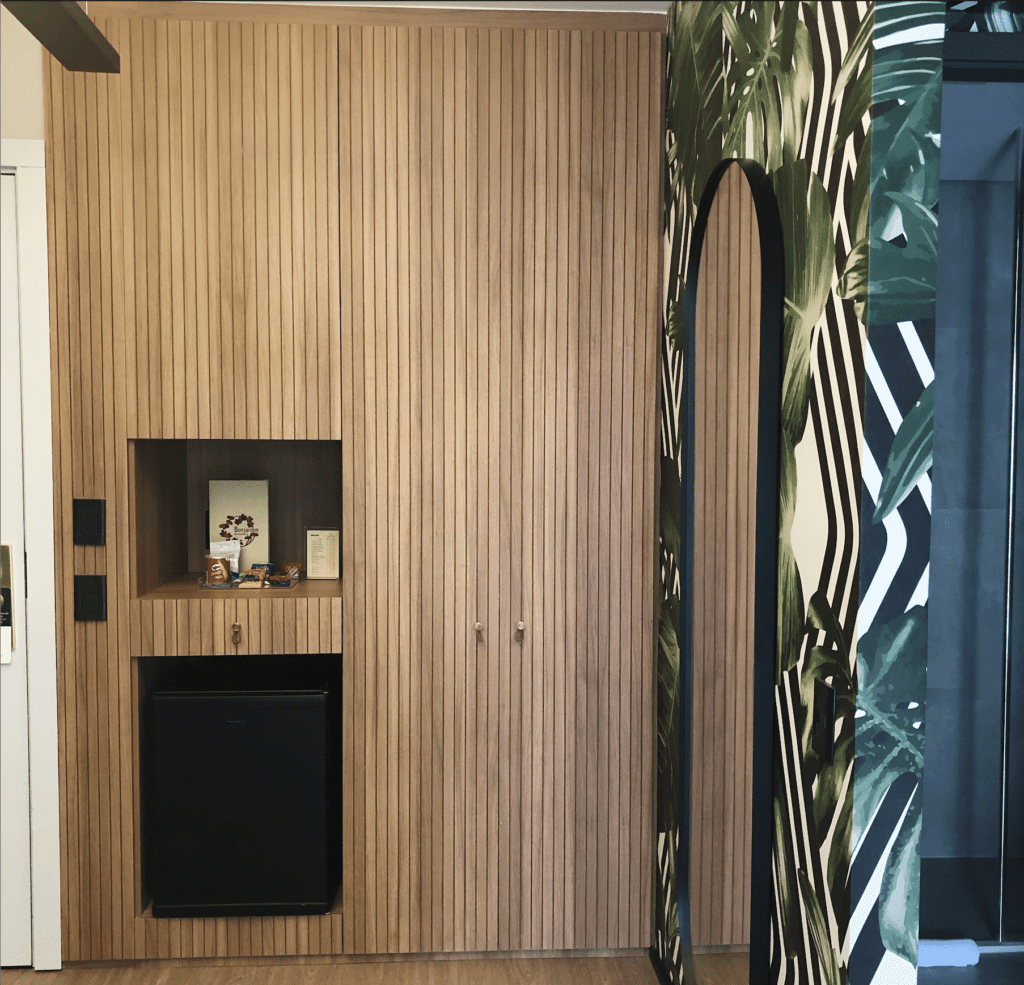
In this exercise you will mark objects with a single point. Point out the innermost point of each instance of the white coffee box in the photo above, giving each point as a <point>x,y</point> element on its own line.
<point>239,511</point>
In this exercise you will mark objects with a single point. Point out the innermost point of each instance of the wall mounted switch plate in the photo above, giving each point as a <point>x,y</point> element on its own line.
<point>90,598</point>
<point>90,522</point>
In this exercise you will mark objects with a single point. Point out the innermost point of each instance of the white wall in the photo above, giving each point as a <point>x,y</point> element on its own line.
<point>21,81</point>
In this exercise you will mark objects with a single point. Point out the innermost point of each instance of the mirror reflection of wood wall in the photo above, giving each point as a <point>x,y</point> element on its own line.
<point>725,483</point>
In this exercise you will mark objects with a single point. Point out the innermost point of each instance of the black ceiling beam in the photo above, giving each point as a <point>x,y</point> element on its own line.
<point>64,30</point>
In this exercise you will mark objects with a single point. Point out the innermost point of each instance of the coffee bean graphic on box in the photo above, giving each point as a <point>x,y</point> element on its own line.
<point>239,511</point>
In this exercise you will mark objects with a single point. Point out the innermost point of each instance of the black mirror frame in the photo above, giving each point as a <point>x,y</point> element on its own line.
<point>765,566</point>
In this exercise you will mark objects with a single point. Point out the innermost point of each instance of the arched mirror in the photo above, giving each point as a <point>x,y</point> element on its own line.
<point>727,629</point>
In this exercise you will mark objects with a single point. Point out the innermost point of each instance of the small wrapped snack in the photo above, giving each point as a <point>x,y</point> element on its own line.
<point>285,575</point>
<point>253,578</point>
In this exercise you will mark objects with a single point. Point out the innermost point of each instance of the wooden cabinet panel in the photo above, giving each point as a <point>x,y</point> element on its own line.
<point>229,151</point>
<point>499,468</point>
<point>438,244</point>
<point>301,623</point>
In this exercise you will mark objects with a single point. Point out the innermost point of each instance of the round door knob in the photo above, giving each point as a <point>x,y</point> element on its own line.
<point>520,628</point>
<point>479,627</point>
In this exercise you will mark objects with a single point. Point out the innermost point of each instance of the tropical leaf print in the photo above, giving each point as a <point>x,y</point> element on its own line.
<point>819,931</point>
<point>910,457</point>
<point>890,743</point>
<point>899,901</point>
<point>890,697</point>
<point>831,662</point>
<point>896,276</point>
<point>668,687</point>
<point>789,612</point>
<point>695,101</point>
<point>810,265</point>
<point>768,84</point>
<point>891,684</point>
<point>856,69</point>
<point>744,80</point>
<point>854,280</point>
<point>905,136</point>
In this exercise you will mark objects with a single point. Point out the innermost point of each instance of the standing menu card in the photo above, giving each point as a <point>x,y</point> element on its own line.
<point>322,550</point>
<point>239,511</point>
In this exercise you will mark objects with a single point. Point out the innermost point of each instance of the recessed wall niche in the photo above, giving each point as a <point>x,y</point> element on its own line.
<point>171,482</point>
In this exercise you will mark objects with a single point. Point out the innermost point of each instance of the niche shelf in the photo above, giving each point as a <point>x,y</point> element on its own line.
<point>169,483</point>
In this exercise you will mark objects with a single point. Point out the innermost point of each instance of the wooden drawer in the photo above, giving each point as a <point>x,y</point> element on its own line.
<point>204,627</point>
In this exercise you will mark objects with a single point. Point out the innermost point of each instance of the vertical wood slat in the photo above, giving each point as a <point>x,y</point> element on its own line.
<point>599,464</point>
<point>391,250</point>
<point>530,519</point>
<point>511,402</point>
<point>441,904</point>
<point>727,333</point>
<point>233,234</point>
<point>423,252</point>
<point>496,632</point>
<point>571,81</point>
<point>578,618</point>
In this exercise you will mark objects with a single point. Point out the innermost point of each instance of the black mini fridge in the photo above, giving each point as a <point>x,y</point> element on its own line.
<point>240,802</point>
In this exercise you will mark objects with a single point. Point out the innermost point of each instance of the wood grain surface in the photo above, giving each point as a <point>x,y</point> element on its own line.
<point>725,453</point>
<point>437,245</point>
<point>548,970</point>
<point>502,378</point>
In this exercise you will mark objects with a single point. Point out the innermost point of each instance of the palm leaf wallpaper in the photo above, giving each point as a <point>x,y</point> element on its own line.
<point>841,104</point>
<point>788,85</point>
<point>896,520</point>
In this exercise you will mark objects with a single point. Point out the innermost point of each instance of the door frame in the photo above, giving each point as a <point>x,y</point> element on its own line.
<point>26,160</point>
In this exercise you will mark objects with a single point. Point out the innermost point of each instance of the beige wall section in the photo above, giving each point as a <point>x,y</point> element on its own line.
<point>21,81</point>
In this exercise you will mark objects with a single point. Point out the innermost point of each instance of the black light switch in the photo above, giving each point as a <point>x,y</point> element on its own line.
<point>90,598</point>
<point>90,522</point>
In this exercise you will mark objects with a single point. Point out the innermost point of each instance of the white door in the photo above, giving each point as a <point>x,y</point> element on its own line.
<point>15,871</point>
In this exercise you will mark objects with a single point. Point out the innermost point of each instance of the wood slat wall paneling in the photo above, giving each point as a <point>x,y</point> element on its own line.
<point>390,251</point>
<point>508,577</point>
<point>487,493</point>
<point>726,374</point>
<point>578,615</point>
<point>232,229</point>
<point>522,434</point>
<point>530,646</point>
<point>572,46</point>
<point>438,245</point>
<point>495,633</point>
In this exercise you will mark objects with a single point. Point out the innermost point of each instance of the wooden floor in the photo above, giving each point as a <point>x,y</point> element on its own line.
<point>712,969</point>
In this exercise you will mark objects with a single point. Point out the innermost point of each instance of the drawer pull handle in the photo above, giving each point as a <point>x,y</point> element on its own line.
<point>236,633</point>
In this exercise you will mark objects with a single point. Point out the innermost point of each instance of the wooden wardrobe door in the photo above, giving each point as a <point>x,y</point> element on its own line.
<point>500,280</point>
<point>416,389</point>
<point>576,473</point>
